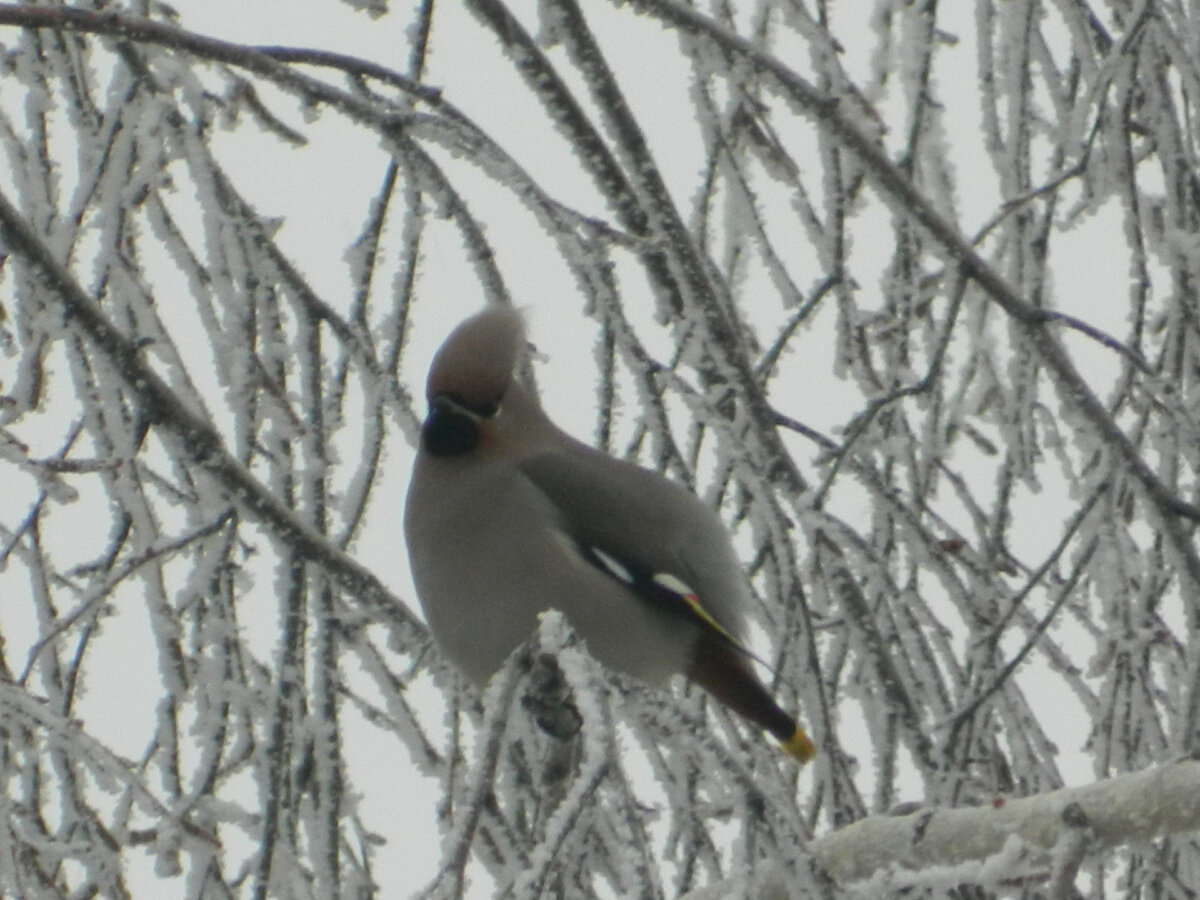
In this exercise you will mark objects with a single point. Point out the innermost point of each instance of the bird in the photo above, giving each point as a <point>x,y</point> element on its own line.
<point>508,516</point>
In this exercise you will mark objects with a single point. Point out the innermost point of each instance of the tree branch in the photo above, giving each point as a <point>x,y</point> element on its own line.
<point>1052,831</point>
<point>1128,809</point>
<point>198,439</point>
<point>910,202</point>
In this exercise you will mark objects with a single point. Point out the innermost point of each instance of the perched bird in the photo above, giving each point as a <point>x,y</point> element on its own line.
<point>507,516</point>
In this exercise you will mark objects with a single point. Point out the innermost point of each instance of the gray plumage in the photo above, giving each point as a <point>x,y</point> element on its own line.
<point>508,516</point>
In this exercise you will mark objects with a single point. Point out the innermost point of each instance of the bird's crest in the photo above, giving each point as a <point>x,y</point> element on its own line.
<point>475,364</point>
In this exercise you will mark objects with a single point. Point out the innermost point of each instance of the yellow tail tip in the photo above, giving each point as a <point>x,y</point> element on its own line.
<point>799,746</point>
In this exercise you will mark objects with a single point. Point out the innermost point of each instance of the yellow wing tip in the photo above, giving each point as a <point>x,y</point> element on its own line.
<point>800,746</point>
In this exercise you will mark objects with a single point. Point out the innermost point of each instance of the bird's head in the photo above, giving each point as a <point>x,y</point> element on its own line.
<point>469,378</point>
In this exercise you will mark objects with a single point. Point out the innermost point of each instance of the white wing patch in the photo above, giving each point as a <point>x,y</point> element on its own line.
<point>614,566</point>
<point>673,584</point>
<point>664,581</point>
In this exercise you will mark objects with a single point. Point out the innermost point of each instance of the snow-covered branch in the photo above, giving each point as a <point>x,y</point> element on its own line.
<point>1125,810</point>
<point>197,438</point>
<point>995,845</point>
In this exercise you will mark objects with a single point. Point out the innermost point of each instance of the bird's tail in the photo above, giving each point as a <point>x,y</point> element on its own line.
<point>721,669</point>
<point>798,744</point>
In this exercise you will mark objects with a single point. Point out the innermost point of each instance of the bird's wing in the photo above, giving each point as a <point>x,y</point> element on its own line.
<point>673,553</point>
<point>640,528</point>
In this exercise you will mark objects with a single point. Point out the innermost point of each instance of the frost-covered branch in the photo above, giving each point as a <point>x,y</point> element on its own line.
<point>911,202</point>
<point>1126,810</point>
<point>197,438</point>
<point>1006,842</point>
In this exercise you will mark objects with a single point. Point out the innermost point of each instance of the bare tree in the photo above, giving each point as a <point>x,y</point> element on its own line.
<point>909,293</point>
